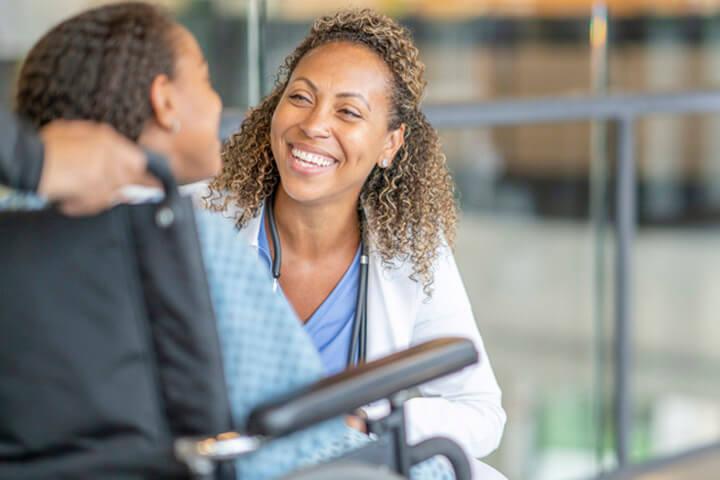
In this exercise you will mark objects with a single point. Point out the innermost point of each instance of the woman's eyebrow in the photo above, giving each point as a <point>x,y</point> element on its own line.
<point>355,95</point>
<point>312,86</point>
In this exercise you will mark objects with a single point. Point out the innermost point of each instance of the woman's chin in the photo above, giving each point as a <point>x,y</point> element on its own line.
<point>304,194</point>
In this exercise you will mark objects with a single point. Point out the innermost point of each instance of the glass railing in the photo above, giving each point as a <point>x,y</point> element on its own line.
<point>528,250</point>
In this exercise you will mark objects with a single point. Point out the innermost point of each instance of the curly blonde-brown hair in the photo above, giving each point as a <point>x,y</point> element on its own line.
<point>409,209</point>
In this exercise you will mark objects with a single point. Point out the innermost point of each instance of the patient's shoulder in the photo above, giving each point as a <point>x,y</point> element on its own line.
<point>220,240</point>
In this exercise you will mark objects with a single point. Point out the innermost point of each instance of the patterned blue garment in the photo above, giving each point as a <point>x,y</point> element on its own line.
<point>265,352</point>
<point>14,200</point>
<point>330,326</point>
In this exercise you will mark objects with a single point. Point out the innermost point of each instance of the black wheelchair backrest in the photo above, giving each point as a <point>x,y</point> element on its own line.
<point>109,347</point>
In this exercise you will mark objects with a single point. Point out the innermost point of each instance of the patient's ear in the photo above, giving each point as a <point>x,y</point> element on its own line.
<point>162,100</point>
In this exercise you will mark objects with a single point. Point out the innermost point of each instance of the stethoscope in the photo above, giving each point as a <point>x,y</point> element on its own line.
<point>358,342</point>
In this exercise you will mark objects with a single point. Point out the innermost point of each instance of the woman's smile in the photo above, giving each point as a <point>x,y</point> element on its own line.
<point>310,161</point>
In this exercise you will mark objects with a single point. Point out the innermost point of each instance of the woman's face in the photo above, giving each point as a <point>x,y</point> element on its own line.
<point>190,109</point>
<point>330,127</point>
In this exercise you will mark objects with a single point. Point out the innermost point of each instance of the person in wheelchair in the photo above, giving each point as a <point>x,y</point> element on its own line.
<point>130,66</point>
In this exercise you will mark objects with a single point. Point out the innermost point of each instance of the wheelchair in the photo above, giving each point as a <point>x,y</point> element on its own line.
<point>389,456</point>
<point>110,364</point>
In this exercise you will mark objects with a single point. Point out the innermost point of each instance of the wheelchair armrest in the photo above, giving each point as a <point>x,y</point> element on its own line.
<point>358,386</point>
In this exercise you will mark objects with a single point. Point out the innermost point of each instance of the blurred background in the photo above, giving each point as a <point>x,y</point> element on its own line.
<point>535,245</point>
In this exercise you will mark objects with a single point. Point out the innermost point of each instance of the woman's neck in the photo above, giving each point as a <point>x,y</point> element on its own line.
<point>311,231</point>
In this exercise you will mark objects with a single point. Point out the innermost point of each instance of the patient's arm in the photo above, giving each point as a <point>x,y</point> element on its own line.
<point>265,351</point>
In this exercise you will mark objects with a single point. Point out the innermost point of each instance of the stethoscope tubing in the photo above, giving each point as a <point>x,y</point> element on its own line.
<point>357,353</point>
<point>358,341</point>
<point>275,237</point>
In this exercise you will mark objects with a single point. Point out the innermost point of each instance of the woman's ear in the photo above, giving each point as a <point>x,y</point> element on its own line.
<point>394,140</point>
<point>163,104</point>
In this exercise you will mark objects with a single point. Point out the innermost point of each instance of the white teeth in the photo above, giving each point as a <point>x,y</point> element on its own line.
<point>312,158</point>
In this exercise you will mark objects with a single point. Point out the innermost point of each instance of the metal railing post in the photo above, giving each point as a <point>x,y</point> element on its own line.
<point>600,78</point>
<point>254,52</point>
<point>625,234</point>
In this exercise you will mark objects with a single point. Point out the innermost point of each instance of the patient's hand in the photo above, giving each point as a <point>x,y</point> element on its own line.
<point>356,422</point>
<point>86,165</point>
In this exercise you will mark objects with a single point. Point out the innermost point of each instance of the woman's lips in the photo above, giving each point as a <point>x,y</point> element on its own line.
<point>309,162</point>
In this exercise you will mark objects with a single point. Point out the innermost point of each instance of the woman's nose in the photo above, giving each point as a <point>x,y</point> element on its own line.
<point>316,123</point>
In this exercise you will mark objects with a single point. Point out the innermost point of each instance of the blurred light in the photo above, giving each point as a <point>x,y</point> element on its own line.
<point>598,29</point>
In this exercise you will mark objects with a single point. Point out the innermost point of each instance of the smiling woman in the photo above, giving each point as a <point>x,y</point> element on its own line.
<point>338,180</point>
<point>325,134</point>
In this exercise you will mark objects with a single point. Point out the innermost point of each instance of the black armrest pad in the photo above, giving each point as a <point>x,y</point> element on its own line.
<point>358,386</point>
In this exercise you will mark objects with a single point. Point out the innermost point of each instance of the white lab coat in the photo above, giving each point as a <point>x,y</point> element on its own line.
<point>466,406</point>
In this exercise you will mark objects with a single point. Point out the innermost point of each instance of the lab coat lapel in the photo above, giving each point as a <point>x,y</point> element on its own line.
<point>391,305</point>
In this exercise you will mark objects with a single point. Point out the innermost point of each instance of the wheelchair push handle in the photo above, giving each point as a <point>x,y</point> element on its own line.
<point>158,167</point>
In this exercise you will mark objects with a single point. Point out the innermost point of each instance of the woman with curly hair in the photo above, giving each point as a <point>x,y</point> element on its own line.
<point>338,168</point>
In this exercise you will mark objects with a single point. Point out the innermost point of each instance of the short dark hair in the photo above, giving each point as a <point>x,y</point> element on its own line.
<point>98,65</point>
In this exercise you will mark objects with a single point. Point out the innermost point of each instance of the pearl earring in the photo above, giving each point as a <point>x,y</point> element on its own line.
<point>384,163</point>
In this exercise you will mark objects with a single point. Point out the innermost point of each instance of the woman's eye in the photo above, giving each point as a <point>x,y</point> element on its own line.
<point>299,98</point>
<point>350,113</point>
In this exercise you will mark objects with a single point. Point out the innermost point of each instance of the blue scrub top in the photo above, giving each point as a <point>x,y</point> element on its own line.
<point>330,326</point>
